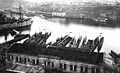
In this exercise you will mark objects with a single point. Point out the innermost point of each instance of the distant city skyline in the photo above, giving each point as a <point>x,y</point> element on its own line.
<point>68,1</point>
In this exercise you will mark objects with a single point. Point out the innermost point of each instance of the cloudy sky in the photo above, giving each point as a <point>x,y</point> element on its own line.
<point>38,1</point>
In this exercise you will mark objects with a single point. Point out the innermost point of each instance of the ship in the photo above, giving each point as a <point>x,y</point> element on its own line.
<point>64,15</point>
<point>11,22</point>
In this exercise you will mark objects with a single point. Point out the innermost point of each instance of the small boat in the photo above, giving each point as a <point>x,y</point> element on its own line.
<point>100,44</point>
<point>22,35</point>
<point>96,42</point>
<point>113,54</point>
<point>79,41</point>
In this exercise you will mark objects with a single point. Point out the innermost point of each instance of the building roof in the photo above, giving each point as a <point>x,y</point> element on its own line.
<point>22,68</point>
<point>65,53</point>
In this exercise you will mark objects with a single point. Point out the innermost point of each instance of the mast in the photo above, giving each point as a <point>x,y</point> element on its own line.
<point>20,11</point>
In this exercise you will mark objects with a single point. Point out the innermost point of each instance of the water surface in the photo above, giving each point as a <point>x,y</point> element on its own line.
<point>73,27</point>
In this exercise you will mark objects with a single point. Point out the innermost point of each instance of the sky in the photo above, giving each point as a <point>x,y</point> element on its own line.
<point>38,1</point>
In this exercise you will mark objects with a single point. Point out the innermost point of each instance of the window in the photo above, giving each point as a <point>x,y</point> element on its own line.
<point>45,63</point>
<point>75,68</point>
<point>8,57</point>
<point>12,58</point>
<point>97,70</point>
<point>93,70</point>
<point>60,65</point>
<point>81,68</point>
<point>86,69</point>
<point>52,64</point>
<point>48,63</point>
<point>65,66</point>
<point>28,60</point>
<point>37,62</point>
<point>33,61</point>
<point>25,60</point>
<point>71,67</point>
<point>16,59</point>
<point>20,59</point>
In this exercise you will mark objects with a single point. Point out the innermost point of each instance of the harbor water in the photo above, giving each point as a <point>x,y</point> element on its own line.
<point>73,27</point>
